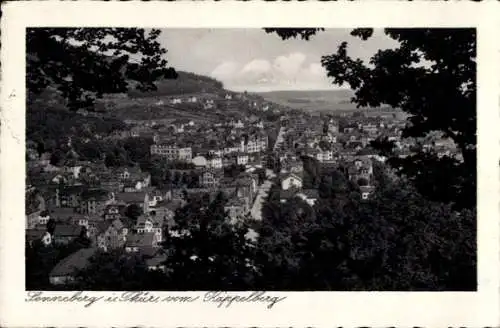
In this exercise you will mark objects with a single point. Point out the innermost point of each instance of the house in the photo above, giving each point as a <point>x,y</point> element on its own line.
<point>132,186</point>
<point>111,234</point>
<point>65,214</point>
<point>200,161</point>
<point>291,180</point>
<point>214,162</point>
<point>79,220</point>
<point>66,233</point>
<point>169,151</point>
<point>333,127</point>
<point>166,211</point>
<point>324,155</point>
<point>370,128</point>
<point>231,147</point>
<point>64,271</point>
<point>112,185</point>
<point>185,154</point>
<point>93,201</point>
<point>32,217</point>
<point>215,152</point>
<point>210,178</point>
<point>139,198</point>
<point>114,210</point>
<point>60,178</point>
<point>150,224</point>
<point>145,244</point>
<point>126,173</point>
<point>74,170</point>
<point>241,159</point>
<point>208,104</point>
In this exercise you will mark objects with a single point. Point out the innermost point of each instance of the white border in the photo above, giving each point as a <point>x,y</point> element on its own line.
<point>300,309</point>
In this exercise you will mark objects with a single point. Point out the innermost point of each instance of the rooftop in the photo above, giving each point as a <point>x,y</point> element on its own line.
<point>131,197</point>
<point>74,262</point>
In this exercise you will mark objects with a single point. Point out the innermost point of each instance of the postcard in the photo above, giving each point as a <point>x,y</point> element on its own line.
<point>249,164</point>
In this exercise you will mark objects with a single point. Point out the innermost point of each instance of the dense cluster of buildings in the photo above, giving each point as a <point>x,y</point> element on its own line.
<point>91,201</point>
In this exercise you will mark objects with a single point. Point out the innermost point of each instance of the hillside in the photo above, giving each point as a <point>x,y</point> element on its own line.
<point>314,100</point>
<point>158,105</point>
<point>186,83</point>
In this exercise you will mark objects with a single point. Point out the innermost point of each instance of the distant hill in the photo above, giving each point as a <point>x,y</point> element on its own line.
<point>186,83</point>
<point>314,100</point>
<point>157,105</point>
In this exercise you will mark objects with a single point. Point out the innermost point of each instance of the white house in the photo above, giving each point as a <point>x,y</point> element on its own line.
<point>200,161</point>
<point>242,159</point>
<point>291,180</point>
<point>215,163</point>
<point>324,156</point>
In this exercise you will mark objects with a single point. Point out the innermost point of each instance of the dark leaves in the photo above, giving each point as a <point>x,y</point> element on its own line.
<point>86,63</point>
<point>288,33</point>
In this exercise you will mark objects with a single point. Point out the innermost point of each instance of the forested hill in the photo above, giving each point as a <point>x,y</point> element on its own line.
<point>186,83</point>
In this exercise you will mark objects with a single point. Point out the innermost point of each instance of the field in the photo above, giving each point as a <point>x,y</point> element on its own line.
<point>317,100</point>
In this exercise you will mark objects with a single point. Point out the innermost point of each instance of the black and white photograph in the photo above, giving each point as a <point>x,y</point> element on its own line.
<point>243,159</point>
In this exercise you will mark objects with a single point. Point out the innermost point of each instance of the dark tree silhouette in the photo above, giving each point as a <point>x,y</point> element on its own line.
<point>207,251</point>
<point>85,63</point>
<point>133,211</point>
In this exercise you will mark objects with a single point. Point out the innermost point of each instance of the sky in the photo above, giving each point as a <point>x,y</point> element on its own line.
<point>252,60</point>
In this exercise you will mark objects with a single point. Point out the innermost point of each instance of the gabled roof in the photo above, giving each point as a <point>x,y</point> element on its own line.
<point>95,194</point>
<point>67,230</point>
<point>292,175</point>
<point>74,262</point>
<point>140,240</point>
<point>131,197</point>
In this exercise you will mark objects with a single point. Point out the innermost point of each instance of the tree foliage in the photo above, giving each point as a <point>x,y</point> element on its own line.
<point>85,63</point>
<point>207,251</point>
<point>133,211</point>
<point>397,240</point>
<point>117,270</point>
